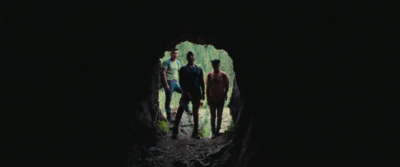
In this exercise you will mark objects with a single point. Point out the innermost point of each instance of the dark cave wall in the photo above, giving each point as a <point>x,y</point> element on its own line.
<point>317,80</point>
<point>235,102</point>
<point>144,120</point>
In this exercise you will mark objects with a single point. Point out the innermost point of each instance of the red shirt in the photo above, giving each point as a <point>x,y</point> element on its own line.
<point>216,84</point>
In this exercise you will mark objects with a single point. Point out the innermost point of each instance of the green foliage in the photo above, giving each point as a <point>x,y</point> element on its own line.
<point>206,131</point>
<point>163,126</point>
<point>204,54</point>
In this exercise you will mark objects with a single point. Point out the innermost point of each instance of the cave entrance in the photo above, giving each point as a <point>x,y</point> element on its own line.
<point>204,54</point>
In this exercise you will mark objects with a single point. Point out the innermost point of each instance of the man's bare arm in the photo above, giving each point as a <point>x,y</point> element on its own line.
<point>202,84</point>
<point>164,78</point>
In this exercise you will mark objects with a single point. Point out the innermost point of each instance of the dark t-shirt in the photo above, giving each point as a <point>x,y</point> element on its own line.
<point>190,79</point>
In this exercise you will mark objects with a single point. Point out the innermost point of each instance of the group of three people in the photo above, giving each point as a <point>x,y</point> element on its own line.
<point>191,86</point>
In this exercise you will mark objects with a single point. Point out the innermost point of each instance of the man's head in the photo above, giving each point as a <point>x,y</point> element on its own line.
<point>174,54</point>
<point>190,57</point>
<point>215,64</point>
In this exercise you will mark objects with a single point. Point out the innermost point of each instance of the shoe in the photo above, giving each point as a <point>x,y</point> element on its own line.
<point>170,119</point>
<point>174,134</point>
<point>213,136</point>
<point>189,111</point>
<point>195,135</point>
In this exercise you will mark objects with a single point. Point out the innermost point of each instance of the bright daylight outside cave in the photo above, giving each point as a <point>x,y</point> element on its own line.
<point>204,54</point>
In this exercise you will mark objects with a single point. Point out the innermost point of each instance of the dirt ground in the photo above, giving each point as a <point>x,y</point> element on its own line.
<point>187,152</point>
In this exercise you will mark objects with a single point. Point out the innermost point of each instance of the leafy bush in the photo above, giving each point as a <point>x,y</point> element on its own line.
<point>206,131</point>
<point>163,126</point>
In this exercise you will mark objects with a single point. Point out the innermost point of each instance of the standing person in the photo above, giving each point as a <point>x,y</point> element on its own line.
<point>192,81</point>
<point>217,93</point>
<point>170,69</point>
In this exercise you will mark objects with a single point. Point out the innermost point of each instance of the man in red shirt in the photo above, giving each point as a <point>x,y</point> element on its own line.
<point>217,83</point>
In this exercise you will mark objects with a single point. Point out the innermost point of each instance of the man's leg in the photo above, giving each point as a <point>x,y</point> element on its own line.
<point>196,106</point>
<point>220,108</point>
<point>213,108</point>
<point>179,90</point>
<point>168,96</point>
<point>182,102</point>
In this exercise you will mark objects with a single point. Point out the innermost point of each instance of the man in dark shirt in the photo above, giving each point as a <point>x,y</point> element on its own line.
<point>192,82</point>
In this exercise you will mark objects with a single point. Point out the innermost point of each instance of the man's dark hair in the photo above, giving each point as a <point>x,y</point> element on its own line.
<point>175,49</point>
<point>215,61</point>
<point>190,53</point>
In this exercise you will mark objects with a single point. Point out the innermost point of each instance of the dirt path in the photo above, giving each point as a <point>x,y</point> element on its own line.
<point>186,152</point>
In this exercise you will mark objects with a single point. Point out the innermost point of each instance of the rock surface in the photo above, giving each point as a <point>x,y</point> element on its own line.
<point>188,152</point>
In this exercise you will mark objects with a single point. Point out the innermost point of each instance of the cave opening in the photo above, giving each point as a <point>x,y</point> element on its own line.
<point>209,149</point>
<point>204,54</point>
